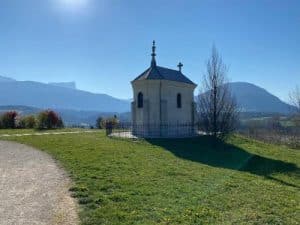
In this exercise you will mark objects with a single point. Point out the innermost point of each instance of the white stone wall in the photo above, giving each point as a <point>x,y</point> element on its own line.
<point>156,112</point>
<point>150,112</point>
<point>169,93</point>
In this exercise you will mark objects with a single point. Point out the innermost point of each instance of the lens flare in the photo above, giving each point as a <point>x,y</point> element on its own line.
<point>73,5</point>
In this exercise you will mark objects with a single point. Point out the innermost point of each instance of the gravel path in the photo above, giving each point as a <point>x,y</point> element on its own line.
<point>33,188</point>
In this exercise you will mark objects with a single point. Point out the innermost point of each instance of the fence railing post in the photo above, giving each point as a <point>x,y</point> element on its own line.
<point>155,130</point>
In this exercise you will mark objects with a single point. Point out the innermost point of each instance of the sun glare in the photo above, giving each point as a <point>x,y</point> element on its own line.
<point>73,5</point>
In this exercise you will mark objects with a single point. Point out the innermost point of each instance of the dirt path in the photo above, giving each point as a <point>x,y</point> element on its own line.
<point>33,189</point>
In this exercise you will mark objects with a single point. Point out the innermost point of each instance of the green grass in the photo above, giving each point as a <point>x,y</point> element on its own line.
<point>31,131</point>
<point>184,181</point>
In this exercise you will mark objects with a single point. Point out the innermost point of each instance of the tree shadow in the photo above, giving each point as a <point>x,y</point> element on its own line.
<point>223,155</point>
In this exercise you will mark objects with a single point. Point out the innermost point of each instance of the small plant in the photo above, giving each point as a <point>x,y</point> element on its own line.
<point>85,200</point>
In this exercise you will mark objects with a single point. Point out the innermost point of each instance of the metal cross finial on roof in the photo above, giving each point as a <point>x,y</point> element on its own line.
<point>180,65</point>
<point>153,61</point>
<point>153,48</point>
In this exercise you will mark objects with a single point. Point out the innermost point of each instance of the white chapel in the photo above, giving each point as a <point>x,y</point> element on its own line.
<point>163,102</point>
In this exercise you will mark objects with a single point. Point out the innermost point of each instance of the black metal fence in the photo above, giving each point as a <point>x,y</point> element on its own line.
<point>131,130</point>
<point>286,135</point>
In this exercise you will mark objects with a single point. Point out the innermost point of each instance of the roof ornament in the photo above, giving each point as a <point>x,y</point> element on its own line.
<point>153,61</point>
<point>180,65</point>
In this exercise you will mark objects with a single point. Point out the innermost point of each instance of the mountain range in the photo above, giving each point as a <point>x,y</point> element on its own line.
<point>71,85</point>
<point>85,106</point>
<point>252,98</point>
<point>41,95</point>
<point>6,79</point>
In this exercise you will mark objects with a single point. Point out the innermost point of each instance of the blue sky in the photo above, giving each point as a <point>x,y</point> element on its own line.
<point>104,44</point>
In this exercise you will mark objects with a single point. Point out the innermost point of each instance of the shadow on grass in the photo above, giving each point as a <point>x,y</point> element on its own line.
<point>228,156</point>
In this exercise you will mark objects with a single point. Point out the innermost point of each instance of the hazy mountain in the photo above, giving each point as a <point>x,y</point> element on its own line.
<point>6,79</point>
<point>23,110</point>
<point>42,95</point>
<point>71,85</point>
<point>252,98</point>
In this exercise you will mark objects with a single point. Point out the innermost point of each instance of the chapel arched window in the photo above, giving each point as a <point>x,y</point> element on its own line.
<point>178,100</point>
<point>140,100</point>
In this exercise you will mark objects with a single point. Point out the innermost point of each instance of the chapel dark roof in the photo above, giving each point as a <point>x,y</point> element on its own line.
<point>162,73</point>
<point>155,72</point>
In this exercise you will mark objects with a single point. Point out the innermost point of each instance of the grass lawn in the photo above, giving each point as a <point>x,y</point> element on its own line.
<point>183,181</point>
<point>31,131</point>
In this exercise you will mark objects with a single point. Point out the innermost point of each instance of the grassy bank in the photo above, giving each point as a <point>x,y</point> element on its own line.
<point>31,131</point>
<point>182,181</point>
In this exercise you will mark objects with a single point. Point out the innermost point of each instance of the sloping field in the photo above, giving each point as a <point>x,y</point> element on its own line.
<point>184,181</point>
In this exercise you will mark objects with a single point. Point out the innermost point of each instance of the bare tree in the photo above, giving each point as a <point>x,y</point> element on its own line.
<point>295,101</point>
<point>217,108</point>
<point>295,98</point>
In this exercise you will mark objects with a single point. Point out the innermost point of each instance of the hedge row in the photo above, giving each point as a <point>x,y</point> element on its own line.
<point>47,119</point>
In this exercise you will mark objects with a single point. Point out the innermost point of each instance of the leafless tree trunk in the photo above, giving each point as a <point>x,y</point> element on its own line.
<point>295,101</point>
<point>295,98</point>
<point>217,108</point>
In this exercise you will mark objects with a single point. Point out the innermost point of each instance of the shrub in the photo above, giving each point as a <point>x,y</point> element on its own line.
<point>296,120</point>
<point>48,120</point>
<point>60,123</point>
<point>99,124</point>
<point>20,122</point>
<point>30,122</point>
<point>102,123</point>
<point>111,122</point>
<point>8,120</point>
<point>27,122</point>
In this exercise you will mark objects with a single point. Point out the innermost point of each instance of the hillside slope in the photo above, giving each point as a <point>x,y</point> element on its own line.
<point>6,79</point>
<point>252,98</point>
<point>177,181</point>
<point>42,95</point>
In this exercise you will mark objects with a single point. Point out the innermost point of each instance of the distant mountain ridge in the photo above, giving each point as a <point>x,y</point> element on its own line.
<point>6,79</point>
<point>23,110</point>
<point>250,97</point>
<point>42,95</point>
<point>71,85</point>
